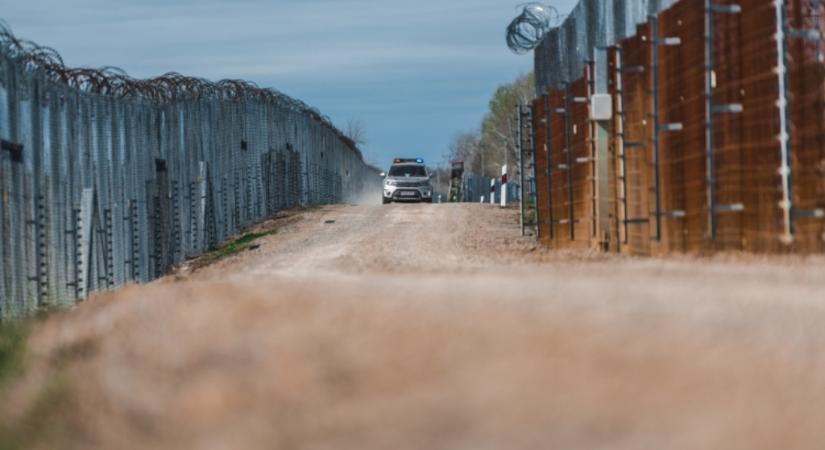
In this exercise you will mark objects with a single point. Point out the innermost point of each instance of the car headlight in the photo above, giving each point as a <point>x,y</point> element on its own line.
<point>390,183</point>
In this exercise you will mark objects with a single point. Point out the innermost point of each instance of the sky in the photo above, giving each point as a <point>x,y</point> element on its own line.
<point>415,72</point>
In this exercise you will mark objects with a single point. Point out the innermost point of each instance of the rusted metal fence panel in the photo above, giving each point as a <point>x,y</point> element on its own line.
<point>761,129</point>
<point>569,166</point>
<point>615,154</point>
<point>558,167</point>
<point>718,132</point>
<point>725,132</point>
<point>806,85</point>
<point>581,160</point>
<point>541,127</point>
<point>635,166</point>
<point>679,127</point>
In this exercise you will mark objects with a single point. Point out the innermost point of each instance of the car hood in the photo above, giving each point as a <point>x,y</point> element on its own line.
<point>409,179</point>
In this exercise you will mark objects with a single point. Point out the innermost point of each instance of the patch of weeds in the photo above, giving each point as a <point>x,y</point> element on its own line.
<point>246,241</point>
<point>24,430</point>
<point>45,419</point>
<point>240,244</point>
<point>243,243</point>
<point>12,347</point>
<point>45,416</point>
<point>13,338</point>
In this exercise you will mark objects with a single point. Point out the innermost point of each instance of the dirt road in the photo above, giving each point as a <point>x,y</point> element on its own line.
<point>435,327</point>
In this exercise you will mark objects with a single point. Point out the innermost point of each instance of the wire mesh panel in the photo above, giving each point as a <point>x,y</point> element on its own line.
<point>580,149</point>
<point>677,40</point>
<point>636,175</point>
<point>566,165</point>
<point>105,180</point>
<point>806,84</point>
<point>541,127</point>
<point>559,165</point>
<point>615,153</point>
<point>762,129</point>
<point>476,188</point>
<point>726,128</point>
<point>717,134</point>
<point>562,54</point>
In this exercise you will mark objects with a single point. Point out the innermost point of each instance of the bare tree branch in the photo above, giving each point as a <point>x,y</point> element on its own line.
<point>357,131</point>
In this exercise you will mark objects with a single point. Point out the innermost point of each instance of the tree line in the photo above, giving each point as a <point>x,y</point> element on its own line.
<point>493,144</point>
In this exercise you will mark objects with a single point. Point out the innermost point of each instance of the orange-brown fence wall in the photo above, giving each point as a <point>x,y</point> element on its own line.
<point>541,130</point>
<point>565,170</point>
<point>806,109</point>
<point>668,192</point>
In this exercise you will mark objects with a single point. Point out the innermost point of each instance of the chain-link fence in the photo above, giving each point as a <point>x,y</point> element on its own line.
<point>100,187</point>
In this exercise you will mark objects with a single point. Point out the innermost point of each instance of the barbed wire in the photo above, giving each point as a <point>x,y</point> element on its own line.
<point>526,31</point>
<point>169,87</point>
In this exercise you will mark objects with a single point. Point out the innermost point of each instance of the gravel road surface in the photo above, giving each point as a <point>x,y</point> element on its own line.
<point>434,327</point>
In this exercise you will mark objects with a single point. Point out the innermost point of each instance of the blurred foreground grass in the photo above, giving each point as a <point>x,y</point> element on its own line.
<point>27,421</point>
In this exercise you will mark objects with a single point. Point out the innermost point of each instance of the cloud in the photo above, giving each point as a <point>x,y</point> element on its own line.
<point>387,62</point>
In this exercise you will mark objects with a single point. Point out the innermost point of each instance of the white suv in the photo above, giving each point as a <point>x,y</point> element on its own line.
<point>408,180</point>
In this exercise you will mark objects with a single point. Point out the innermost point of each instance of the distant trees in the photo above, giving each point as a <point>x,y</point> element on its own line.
<point>493,144</point>
<point>465,146</point>
<point>357,131</point>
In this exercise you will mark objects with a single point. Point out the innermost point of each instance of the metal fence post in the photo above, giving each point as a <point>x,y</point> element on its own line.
<point>786,204</point>
<point>548,143</point>
<point>711,109</point>
<point>654,67</point>
<point>569,168</point>
<point>658,127</point>
<point>520,152</point>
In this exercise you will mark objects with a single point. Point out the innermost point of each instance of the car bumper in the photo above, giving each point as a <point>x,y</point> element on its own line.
<point>396,193</point>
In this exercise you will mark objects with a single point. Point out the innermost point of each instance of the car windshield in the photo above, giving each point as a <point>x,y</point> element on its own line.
<point>408,171</point>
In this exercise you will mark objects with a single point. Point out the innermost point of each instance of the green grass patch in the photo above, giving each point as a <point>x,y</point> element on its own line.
<point>247,240</point>
<point>46,419</point>
<point>47,415</point>
<point>12,348</point>
<point>240,244</point>
<point>230,248</point>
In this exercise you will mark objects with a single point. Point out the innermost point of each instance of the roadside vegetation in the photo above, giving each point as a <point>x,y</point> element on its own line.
<point>12,346</point>
<point>243,243</point>
<point>491,145</point>
<point>246,241</point>
<point>29,420</point>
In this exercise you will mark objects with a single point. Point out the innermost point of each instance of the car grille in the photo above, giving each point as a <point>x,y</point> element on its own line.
<point>409,184</point>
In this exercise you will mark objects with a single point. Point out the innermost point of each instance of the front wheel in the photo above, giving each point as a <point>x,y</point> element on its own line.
<point>428,200</point>
<point>386,200</point>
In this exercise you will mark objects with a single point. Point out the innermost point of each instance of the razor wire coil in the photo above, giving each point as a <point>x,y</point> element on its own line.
<point>172,86</point>
<point>526,31</point>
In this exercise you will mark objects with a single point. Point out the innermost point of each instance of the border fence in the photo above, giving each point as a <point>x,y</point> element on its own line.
<point>477,187</point>
<point>105,180</point>
<point>714,138</point>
